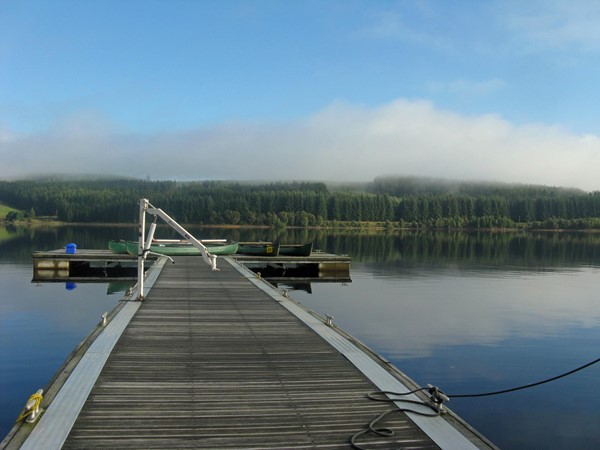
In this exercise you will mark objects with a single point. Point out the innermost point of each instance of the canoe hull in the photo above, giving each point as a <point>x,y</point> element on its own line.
<point>258,249</point>
<point>119,247</point>
<point>295,250</point>
<point>222,249</point>
<point>185,249</point>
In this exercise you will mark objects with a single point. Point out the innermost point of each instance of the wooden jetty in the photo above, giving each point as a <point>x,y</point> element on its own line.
<point>319,267</point>
<point>104,265</point>
<point>219,360</point>
<point>84,265</point>
<point>325,261</point>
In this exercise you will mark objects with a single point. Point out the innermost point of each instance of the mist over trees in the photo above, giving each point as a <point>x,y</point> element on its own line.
<point>402,201</point>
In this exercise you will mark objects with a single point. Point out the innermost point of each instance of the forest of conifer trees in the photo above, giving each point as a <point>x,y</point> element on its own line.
<point>401,201</point>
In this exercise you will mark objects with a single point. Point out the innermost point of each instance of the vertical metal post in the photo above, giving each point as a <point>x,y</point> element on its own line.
<point>141,243</point>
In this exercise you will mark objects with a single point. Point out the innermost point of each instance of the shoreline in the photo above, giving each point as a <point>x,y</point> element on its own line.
<point>361,226</point>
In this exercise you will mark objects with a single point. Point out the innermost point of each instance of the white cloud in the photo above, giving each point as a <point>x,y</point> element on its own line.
<point>555,24</point>
<point>467,87</point>
<point>443,316</point>
<point>340,142</point>
<point>387,24</point>
<point>394,25</point>
<point>6,135</point>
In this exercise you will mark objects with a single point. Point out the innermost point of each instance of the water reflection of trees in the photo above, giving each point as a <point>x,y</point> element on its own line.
<point>497,249</point>
<point>18,243</point>
<point>520,249</point>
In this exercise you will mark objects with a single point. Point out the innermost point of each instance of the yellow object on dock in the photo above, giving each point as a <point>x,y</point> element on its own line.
<point>32,408</point>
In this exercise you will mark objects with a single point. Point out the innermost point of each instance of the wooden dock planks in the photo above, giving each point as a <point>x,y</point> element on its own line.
<point>209,361</point>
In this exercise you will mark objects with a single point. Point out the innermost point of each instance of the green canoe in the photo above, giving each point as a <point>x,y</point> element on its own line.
<point>226,248</point>
<point>119,247</point>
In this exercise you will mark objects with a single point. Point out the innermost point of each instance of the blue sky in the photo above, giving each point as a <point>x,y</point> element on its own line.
<point>326,90</point>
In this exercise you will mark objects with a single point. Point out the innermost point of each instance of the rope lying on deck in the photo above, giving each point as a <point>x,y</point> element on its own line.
<point>381,396</point>
<point>436,400</point>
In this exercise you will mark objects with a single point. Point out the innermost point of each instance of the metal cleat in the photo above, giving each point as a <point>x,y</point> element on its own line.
<point>31,412</point>
<point>437,399</point>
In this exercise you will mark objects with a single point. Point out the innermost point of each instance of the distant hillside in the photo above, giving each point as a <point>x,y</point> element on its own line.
<point>396,201</point>
<point>410,185</point>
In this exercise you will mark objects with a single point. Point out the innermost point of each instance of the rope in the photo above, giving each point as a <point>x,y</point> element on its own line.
<point>37,398</point>
<point>436,400</point>
<point>504,391</point>
<point>387,432</point>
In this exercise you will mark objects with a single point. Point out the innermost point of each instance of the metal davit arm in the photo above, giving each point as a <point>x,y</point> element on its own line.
<point>211,260</point>
<point>144,244</point>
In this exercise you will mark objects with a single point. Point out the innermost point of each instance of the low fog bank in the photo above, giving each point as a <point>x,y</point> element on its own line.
<point>341,143</point>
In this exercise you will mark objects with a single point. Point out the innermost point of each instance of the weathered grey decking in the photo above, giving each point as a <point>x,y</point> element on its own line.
<point>211,361</point>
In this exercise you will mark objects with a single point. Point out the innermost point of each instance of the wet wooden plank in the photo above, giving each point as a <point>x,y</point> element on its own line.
<point>209,361</point>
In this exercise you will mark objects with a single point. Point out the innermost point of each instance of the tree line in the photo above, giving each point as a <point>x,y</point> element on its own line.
<point>403,201</point>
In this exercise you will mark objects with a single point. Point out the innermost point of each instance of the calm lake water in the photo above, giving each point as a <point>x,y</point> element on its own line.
<point>466,312</point>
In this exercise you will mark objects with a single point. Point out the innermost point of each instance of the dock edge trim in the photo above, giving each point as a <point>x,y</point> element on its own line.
<point>437,428</point>
<point>57,421</point>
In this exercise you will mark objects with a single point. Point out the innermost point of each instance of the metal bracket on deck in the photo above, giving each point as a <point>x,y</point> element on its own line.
<point>329,320</point>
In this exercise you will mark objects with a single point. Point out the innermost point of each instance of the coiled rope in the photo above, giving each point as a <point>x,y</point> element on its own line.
<point>381,396</point>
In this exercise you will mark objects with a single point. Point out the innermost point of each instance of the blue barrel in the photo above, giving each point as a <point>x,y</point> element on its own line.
<point>71,249</point>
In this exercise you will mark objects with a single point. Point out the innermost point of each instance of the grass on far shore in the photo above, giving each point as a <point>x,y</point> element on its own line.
<point>4,210</point>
